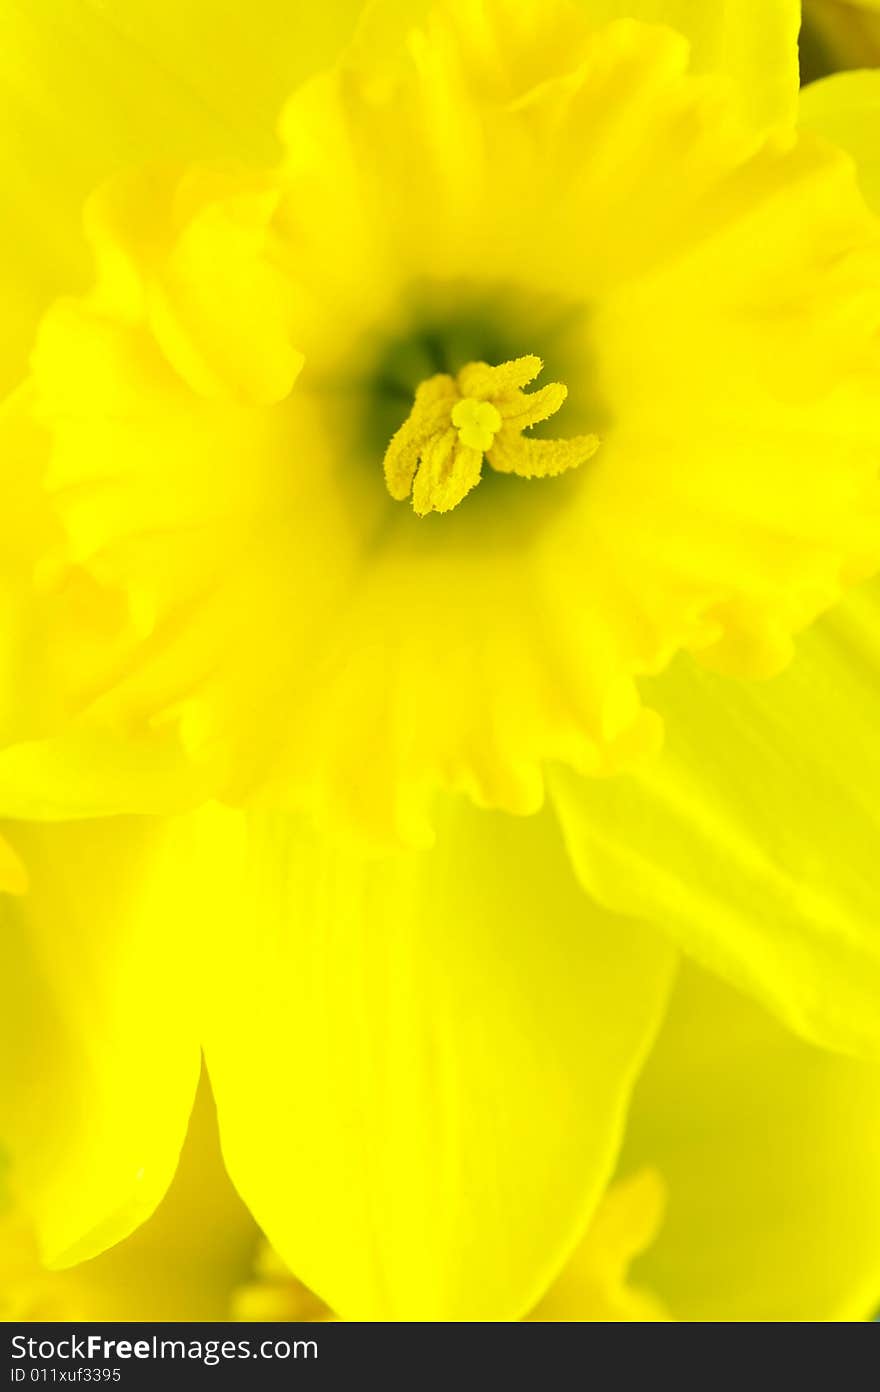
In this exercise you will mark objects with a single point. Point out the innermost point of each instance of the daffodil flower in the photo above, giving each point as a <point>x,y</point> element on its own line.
<point>280,540</point>
<point>746,1189</point>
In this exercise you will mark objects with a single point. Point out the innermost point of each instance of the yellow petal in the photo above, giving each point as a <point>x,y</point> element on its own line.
<point>421,1063</point>
<point>87,89</point>
<point>770,1153</point>
<point>752,41</point>
<point>27,530</point>
<point>185,1263</point>
<point>187,253</point>
<point>97,1035</point>
<point>88,773</point>
<point>13,876</point>
<point>593,1285</point>
<point>846,110</point>
<point>753,838</point>
<point>52,773</point>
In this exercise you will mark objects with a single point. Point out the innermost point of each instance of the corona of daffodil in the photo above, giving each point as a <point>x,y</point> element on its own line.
<point>434,596</point>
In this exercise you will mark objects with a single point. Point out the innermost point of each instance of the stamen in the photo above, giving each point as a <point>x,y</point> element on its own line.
<point>437,454</point>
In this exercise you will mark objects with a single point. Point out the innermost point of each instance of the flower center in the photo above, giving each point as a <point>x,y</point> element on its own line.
<point>437,454</point>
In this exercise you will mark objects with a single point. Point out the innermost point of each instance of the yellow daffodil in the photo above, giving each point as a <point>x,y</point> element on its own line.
<point>746,1190</point>
<point>285,562</point>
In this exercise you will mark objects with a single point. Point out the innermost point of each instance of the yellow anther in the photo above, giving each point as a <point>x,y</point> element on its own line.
<point>477,422</point>
<point>437,454</point>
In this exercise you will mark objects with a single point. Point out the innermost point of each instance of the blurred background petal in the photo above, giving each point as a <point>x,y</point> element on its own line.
<point>752,838</point>
<point>770,1153</point>
<point>845,109</point>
